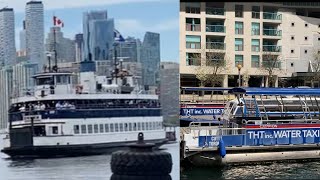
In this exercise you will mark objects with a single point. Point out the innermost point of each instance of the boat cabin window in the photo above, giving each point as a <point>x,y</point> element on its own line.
<point>107,127</point>
<point>116,128</point>
<point>139,126</point>
<point>63,79</point>
<point>130,126</point>
<point>134,126</point>
<point>96,128</point>
<point>54,130</point>
<point>101,128</point>
<point>76,129</point>
<point>83,129</point>
<point>121,127</point>
<point>111,128</point>
<point>48,80</point>
<point>90,129</point>
<point>39,131</point>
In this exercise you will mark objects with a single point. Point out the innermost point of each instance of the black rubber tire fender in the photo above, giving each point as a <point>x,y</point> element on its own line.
<point>156,163</point>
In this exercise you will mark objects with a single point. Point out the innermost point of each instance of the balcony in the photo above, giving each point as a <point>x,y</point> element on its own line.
<point>193,27</point>
<point>272,16</point>
<point>193,45</point>
<point>215,11</point>
<point>255,15</point>
<point>193,62</point>
<point>216,45</point>
<point>215,28</point>
<point>272,32</point>
<point>271,64</point>
<point>271,48</point>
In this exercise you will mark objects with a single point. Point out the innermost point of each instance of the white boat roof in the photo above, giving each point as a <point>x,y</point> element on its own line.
<point>84,97</point>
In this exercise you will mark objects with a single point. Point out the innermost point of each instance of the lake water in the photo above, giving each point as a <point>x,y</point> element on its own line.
<point>75,168</point>
<point>282,170</point>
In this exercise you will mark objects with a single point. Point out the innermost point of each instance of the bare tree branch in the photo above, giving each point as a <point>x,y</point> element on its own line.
<point>271,65</point>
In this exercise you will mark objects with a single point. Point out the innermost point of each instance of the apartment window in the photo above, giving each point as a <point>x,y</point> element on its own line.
<point>239,60</point>
<point>239,10</point>
<point>292,24</point>
<point>255,61</point>
<point>76,129</point>
<point>193,59</point>
<point>96,128</point>
<point>193,42</point>
<point>306,38</point>
<point>292,51</point>
<point>83,129</point>
<point>101,128</point>
<point>305,51</point>
<point>255,28</point>
<point>306,25</point>
<point>193,8</point>
<point>238,44</point>
<point>256,12</point>
<point>193,24</point>
<point>90,130</point>
<point>239,27</point>
<point>255,45</point>
<point>292,37</point>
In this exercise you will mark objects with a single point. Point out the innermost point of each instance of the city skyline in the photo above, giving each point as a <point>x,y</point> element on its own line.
<point>128,24</point>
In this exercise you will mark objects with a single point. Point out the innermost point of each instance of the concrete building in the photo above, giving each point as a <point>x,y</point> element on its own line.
<point>98,35</point>
<point>22,36</point>
<point>35,32</point>
<point>247,34</point>
<point>65,47</point>
<point>169,91</point>
<point>6,82</point>
<point>79,47</point>
<point>150,59</point>
<point>7,37</point>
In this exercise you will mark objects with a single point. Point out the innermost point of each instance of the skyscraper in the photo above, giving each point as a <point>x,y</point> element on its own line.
<point>98,34</point>
<point>6,82</point>
<point>150,58</point>
<point>23,45</point>
<point>65,47</point>
<point>35,32</point>
<point>129,49</point>
<point>79,47</point>
<point>7,41</point>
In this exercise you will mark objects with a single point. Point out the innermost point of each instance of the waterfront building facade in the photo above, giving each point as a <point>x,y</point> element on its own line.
<point>6,82</point>
<point>247,34</point>
<point>79,48</point>
<point>130,49</point>
<point>22,38</point>
<point>35,32</point>
<point>7,37</point>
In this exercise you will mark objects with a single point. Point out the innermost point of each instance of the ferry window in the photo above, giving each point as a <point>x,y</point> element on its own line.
<point>83,129</point>
<point>54,130</point>
<point>116,128</point>
<point>139,126</point>
<point>125,126</point>
<point>96,128</point>
<point>130,126</point>
<point>147,126</point>
<point>107,127</point>
<point>90,128</point>
<point>76,129</point>
<point>45,81</point>
<point>101,128</point>
<point>111,127</point>
<point>121,127</point>
<point>134,126</point>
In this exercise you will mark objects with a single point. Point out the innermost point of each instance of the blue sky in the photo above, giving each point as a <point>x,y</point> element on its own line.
<point>132,18</point>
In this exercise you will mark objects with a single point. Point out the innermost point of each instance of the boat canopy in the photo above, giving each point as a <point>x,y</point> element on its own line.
<point>205,89</point>
<point>276,91</point>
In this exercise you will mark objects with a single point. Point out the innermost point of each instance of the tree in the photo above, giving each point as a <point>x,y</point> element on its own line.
<point>213,63</point>
<point>271,65</point>
<point>315,66</point>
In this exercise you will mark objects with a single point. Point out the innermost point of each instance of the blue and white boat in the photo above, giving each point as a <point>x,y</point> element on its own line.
<point>259,139</point>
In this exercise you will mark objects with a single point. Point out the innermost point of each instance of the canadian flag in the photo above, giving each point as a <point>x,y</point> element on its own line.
<point>57,22</point>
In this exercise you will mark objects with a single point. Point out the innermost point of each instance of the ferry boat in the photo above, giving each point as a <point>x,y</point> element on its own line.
<point>95,117</point>
<point>230,141</point>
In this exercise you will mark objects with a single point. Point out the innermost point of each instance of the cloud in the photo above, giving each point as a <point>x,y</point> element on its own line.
<point>133,27</point>
<point>19,5</point>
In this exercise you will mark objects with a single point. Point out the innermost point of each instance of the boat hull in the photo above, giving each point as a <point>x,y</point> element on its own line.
<point>71,150</point>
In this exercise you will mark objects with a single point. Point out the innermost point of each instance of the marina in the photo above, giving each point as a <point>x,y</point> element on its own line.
<point>253,136</point>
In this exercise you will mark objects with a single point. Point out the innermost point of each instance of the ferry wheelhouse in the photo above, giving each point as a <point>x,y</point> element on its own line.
<point>231,140</point>
<point>60,119</point>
